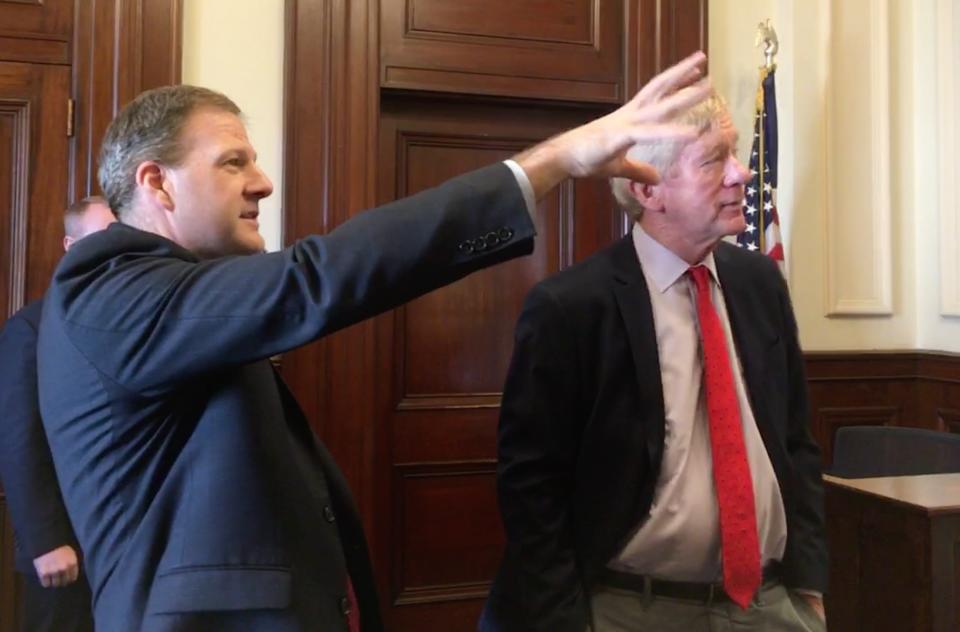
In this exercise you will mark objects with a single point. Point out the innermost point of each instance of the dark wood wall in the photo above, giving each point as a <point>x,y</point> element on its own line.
<point>919,389</point>
<point>66,66</point>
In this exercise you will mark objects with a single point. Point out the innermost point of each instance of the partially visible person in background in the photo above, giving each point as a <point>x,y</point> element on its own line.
<point>56,593</point>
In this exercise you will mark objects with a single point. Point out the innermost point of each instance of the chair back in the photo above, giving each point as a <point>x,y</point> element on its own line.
<point>870,451</point>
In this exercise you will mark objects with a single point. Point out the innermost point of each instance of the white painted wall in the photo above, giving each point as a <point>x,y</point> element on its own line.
<point>858,167</point>
<point>936,153</point>
<point>236,47</point>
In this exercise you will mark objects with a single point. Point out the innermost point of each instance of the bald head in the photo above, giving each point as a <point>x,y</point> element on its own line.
<point>84,217</point>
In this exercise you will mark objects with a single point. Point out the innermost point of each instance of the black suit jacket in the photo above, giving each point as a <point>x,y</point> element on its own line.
<point>192,478</point>
<point>39,518</point>
<point>582,430</point>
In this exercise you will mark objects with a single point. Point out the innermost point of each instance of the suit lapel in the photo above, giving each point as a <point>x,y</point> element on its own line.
<point>633,300</point>
<point>749,337</point>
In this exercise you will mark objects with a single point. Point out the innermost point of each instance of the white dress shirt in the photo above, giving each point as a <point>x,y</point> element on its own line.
<point>680,539</point>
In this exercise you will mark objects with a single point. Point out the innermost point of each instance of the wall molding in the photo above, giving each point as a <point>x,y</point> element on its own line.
<point>949,170</point>
<point>858,200</point>
<point>19,112</point>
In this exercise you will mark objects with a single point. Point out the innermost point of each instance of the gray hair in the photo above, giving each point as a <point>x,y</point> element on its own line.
<point>663,154</point>
<point>148,128</point>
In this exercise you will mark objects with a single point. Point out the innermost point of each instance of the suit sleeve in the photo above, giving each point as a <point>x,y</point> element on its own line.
<point>147,323</point>
<point>537,450</point>
<point>26,465</point>
<point>807,564</point>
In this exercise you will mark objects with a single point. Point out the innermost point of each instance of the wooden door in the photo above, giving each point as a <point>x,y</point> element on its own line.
<point>388,97</point>
<point>441,359</point>
<point>33,193</point>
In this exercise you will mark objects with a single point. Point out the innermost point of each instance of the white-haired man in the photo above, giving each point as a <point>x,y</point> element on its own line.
<point>656,470</point>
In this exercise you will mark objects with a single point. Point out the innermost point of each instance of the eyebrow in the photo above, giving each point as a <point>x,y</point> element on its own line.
<point>252,155</point>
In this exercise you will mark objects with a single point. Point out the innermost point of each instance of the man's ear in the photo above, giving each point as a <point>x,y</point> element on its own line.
<point>151,178</point>
<point>648,195</point>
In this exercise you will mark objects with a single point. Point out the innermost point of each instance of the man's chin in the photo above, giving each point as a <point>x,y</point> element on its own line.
<point>735,227</point>
<point>251,245</point>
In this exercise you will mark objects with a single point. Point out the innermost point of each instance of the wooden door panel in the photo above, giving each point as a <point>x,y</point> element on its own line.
<point>446,354</point>
<point>560,21</point>
<point>465,328</point>
<point>33,177</point>
<point>430,565</point>
<point>552,49</point>
<point>36,30</point>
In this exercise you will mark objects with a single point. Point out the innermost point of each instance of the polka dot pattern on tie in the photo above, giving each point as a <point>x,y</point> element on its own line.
<point>739,543</point>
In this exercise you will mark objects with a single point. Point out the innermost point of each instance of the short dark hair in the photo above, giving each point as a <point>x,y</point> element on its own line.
<point>148,128</point>
<point>76,210</point>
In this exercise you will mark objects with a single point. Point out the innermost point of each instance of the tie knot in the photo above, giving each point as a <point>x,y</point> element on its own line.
<point>700,276</point>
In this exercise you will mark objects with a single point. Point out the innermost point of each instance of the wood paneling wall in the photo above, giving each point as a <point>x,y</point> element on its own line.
<point>910,388</point>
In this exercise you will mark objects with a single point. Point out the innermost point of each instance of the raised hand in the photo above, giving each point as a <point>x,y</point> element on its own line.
<point>598,148</point>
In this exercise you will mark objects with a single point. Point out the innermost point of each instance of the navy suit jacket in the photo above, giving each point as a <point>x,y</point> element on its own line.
<point>40,521</point>
<point>193,480</point>
<point>582,429</point>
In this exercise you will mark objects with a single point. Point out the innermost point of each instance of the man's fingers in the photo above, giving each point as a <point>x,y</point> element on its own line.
<point>670,106</point>
<point>677,76</point>
<point>638,172</point>
<point>44,580</point>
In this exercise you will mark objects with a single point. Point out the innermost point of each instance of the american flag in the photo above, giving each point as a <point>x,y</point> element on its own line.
<point>760,200</point>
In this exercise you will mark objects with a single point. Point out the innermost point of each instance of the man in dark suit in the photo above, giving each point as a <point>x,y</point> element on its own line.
<point>200,496</point>
<point>656,470</point>
<point>56,593</point>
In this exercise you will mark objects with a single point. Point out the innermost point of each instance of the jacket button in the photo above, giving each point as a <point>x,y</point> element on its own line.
<point>492,239</point>
<point>345,606</point>
<point>505,233</point>
<point>466,247</point>
<point>328,514</point>
<point>479,244</point>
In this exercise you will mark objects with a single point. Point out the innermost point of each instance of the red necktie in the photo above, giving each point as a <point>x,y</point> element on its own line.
<point>353,615</point>
<point>739,544</point>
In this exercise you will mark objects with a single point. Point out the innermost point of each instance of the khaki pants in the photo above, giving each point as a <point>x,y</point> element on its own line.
<point>775,609</point>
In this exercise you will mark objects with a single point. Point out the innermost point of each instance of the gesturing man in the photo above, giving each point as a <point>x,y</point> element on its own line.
<point>200,496</point>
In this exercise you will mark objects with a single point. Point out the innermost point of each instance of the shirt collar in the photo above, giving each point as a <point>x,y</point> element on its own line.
<point>662,266</point>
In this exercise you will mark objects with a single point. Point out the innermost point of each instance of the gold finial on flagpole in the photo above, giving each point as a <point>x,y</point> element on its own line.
<point>767,40</point>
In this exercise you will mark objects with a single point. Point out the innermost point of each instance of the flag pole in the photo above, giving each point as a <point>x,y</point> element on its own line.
<point>767,39</point>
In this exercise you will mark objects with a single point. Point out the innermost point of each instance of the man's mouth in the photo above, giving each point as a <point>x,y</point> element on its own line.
<point>252,215</point>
